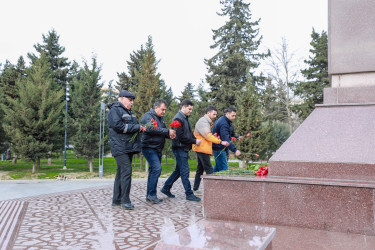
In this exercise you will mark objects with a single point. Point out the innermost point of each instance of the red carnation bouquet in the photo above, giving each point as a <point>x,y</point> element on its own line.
<point>262,171</point>
<point>150,124</point>
<point>175,124</point>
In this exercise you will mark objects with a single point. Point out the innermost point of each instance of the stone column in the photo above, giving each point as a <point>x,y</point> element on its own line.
<point>339,135</point>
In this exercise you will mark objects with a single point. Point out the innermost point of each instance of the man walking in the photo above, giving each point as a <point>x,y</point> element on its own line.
<point>122,125</point>
<point>204,151</point>
<point>222,128</point>
<point>153,140</point>
<point>181,146</point>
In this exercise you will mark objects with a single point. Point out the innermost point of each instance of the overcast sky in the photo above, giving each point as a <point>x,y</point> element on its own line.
<point>181,31</point>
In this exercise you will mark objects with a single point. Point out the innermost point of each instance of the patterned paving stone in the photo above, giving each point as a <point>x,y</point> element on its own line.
<point>85,219</point>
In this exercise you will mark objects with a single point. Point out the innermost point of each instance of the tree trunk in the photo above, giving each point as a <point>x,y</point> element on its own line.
<point>140,161</point>
<point>49,158</point>
<point>15,157</point>
<point>34,167</point>
<point>38,163</point>
<point>90,165</point>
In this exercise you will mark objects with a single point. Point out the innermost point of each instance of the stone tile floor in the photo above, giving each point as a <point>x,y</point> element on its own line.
<point>84,219</point>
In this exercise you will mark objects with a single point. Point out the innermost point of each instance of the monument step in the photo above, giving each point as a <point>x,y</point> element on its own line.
<point>323,204</point>
<point>216,234</point>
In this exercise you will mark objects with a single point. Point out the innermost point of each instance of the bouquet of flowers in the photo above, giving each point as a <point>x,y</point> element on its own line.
<point>151,124</point>
<point>175,124</point>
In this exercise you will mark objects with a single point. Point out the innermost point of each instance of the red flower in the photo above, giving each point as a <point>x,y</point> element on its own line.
<point>215,134</point>
<point>248,135</point>
<point>154,123</point>
<point>257,155</point>
<point>175,124</point>
<point>234,138</point>
<point>262,171</point>
<point>218,137</point>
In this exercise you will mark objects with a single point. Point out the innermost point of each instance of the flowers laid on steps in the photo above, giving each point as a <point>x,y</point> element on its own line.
<point>262,171</point>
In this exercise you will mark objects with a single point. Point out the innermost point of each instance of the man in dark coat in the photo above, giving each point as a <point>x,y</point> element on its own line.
<point>123,125</point>
<point>181,145</point>
<point>153,140</point>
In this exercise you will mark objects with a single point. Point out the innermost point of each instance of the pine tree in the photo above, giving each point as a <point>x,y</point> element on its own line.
<point>32,120</point>
<point>249,120</point>
<point>8,77</point>
<point>148,80</point>
<point>237,41</point>
<point>129,81</point>
<point>53,50</point>
<point>86,97</point>
<point>188,93</point>
<point>311,91</point>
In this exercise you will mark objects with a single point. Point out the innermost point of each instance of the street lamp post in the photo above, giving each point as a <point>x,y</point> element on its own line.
<point>66,123</point>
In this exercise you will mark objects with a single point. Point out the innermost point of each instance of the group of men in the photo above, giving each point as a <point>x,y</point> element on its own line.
<point>206,139</point>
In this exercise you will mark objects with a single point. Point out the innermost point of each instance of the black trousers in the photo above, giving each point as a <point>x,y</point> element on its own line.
<point>204,164</point>
<point>123,180</point>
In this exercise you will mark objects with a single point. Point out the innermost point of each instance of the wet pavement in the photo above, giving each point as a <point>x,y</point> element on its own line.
<point>78,214</point>
<point>85,219</point>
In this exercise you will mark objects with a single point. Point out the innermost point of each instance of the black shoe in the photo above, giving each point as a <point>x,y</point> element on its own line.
<point>192,197</point>
<point>115,204</point>
<point>167,193</point>
<point>153,199</point>
<point>127,206</point>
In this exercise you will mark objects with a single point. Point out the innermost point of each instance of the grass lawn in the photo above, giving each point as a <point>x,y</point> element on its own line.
<point>79,169</point>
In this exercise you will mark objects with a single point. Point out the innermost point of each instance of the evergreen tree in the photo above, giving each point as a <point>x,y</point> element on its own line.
<point>148,81</point>
<point>8,77</point>
<point>86,97</point>
<point>166,93</point>
<point>187,93</point>
<point>129,81</point>
<point>32,120</point>
<point>311,91</point>
<point>237,41</point>
<point>249,120</point>
<point>53,50</point>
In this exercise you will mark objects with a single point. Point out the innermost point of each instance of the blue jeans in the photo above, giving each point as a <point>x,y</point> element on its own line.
<point>182,169</point>
<point>220,160</point>
<point>154,160</point>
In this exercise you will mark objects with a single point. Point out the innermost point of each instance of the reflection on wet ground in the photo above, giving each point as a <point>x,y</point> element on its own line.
<point>85,219</point>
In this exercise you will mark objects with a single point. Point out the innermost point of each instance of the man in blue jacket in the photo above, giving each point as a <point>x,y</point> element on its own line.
<point>153,140</point>
<point>123,125</point>
<point>222,128</point>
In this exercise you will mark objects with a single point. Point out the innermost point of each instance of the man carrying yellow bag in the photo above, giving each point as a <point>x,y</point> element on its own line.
<point>204,150</point>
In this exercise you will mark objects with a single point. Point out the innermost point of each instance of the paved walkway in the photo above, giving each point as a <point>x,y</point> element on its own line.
<point>85,219</point>
<point>77,214</point>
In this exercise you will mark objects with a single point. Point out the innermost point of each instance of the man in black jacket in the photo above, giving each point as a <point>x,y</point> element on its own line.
<point>181,146</point>
<point>153,140</point>
<point>123,125</point>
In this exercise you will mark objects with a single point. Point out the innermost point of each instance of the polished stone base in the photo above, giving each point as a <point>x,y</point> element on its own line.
<point>214,234</point>
<point>335,141</point>
<point>323,204</point>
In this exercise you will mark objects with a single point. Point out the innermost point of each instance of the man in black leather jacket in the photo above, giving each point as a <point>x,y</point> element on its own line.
<point>153,140</point>
<point>181,146</point>
<point>123,125</point>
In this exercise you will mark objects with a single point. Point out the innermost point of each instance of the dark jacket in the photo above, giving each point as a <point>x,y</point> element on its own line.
<point>122,125</point>
<point>222,128</point>
<point>154,138</point>
<point>184,135</point>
